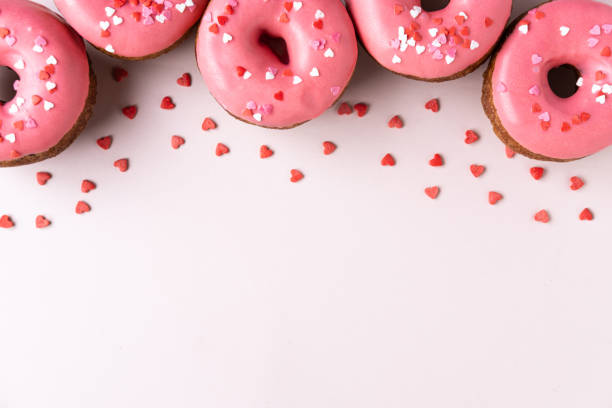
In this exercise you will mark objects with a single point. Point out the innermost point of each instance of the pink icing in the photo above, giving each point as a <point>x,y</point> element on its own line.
<point>129,28</point>
<point>321,60</point>
<point>410,41</point>
<point>574,32</point>
<point>35,43</point>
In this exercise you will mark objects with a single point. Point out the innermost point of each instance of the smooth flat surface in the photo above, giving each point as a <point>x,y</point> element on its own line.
<point>199,281</point>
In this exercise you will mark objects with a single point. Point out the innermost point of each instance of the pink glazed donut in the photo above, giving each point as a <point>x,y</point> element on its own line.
<point>261,82</point>
<point>55,92</point>
<point>525,111</point>
<point>132,29</point>
<point>430,46</point>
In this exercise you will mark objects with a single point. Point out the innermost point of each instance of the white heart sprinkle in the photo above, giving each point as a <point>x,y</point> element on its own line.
<point>474,45</point>
<point>13,109</point>
<point>580,82</point>
<point>10,137</point>
<point>411,42</point>
<point>227,38</point>
<point>396,59</point>
<point>269,75</point>
<point>161,18</point>
<point>319,14</point>
<point>180,7</point>
<point>449,59</point>
<point>109,11</point>
<point>19,64</point>
<point>257,117</point>
<point>109,48</point>
<point>415,11</point>
<point>433,32</point>
<point>19,101</point>
<point>37,48</point>
<point>117,20</point>
<point>104,25</point>
<point>50,85</point>
<point>314,72</point>
<point>596,88</point>
<point>51,60</point>
<point>607,89</point>
<point>48,105</point>
<point>297,5</point>
<point>420,49</point>
<point>523,28</point>
<point>329,53</point>
<point>462,14</point>
<point>247,75</point>
<point>564,30</point>
<point>601,99</point>
<point>296,80</point>
<point>189,3</point>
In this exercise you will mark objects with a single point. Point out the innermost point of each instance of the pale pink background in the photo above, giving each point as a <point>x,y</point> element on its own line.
<point>199,281</point>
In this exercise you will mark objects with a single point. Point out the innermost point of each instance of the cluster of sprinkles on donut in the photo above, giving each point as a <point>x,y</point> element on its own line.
<point>134,29</point>
<point>52,94</point>
<point>525,111</point>
<point>435,46</point>
<point>252,82</point>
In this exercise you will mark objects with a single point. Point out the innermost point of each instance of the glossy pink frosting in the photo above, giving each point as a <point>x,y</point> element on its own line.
<point>322,51</point>
<point>36,44</point>
<point>405,39</point>
<point>130,28</point>
<point>574,32</point>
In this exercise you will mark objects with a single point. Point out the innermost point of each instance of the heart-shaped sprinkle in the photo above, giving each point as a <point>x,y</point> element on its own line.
<point>436,161</point>
<point>177,141</point>
<point>542,216</point>
<point>576,183</point>
<point>510,153</point>
<point>6,222</point>
<point>586,215</point>
<point>471,137</point>
<point>488,22</point>
<point>122,165</point>
<point>534,90</point>
<point>130,111</point>
<point>221,149</point>
<point>564,30</point>
<point>607,28</point>
<point>361,109</point>
<point>536,59</point>
<point>335,90</point>
<point>596,30</point>
<point>208,124</point>
<point>494,197</point>
<point>592,42</point>
<point>119,73</point>
<point>388,160</point>
<point>432,105</point>
<point>167,103</point>
<point>329,148</point>
<point>184,80</point>
<point>536,172</point>
<point>87,186</point>
<point>105,142</point>
<point>296,175</point>
<point>501,87</point>
<point>42,222</point>
<point>42,177</point>
<point>82,207</point>
<point>265,152</point>
<point>432,192</point>
<point>477,170</point>
<point>345,109</point>
<point>396,122</point>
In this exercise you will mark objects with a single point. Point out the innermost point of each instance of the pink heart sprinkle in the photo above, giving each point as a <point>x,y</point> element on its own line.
<point>251,105</point>
<point>167,14</point>
<point>273,70</point>
<point>168,4</point>
<point>336,37</point>
<point>267,108</point>
<point>146,11</point>
<point>16,84</point>
<point>545,117</point>
<point>395,43</point>
<point>335,90</point>
<point>42,41</point>
<point>501,87</point>
<point>534,90</point>
<point>10,40</point>
<point>437,55</point>
<point>592,42</point>
<point>31,123</point>
<point>536,59</point>
<point>232,3</point>
<point>596,30</point>
<point>607,28</point>
<point>441,39</point>
<point>452,52</point>
<point>148,21</point>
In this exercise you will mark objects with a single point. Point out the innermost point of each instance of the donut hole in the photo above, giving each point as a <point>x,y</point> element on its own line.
<point>563,79</point>
<point>276,45</point>
<point>434,5</point>
<point>7,81</point>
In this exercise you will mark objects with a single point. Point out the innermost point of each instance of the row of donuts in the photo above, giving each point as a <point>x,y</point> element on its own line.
<point>280,63</point>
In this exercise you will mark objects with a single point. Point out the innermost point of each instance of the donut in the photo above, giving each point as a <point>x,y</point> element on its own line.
<point>56,88</point>
<point>518,98</point>
<point>430,46</point>
<point>276,63</point>
<point>132,29</point>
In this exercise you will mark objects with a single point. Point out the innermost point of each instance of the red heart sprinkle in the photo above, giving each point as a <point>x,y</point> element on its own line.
<point>119,73</point>
<point>433,105</point>
<point>436,161</point>
<point>545,125</point>
<point>240,71</point>
<point>222,20</point>
<point>288,5</point>
<point>432,192</point>
<point>87,186</point>
<point>396,122</point>
<point>177,141</point>
<point>318,24</point>
<point>6,222</point>
<point>398,9</point>
<point>36,99</point>
<point>265,152</point>
<point>208,124</point>
<point>130,111</point>
<point>284,18</point>
<point>82,207</point>
<point>565,127</point>
<point>586,215</point>
<point>105,142</point>
<point>361,109</point>
<point>296,175</point>
<point>344,109</point>
<point>539,14</point>
<point>167,103</point>
<point>329,148</point>
<point>221,149</point>
<point>577,183</point>
<point>121,164</point>
<point>536,172</point>
<point>542,216</point>
<point>42,222</point>
<point>214,28</point>
<point>606,52</point>
<point>494,197</point>
<point>585,116</point>
<point>509,152</point>
<point>184,80</point>
<point>4,32</point>
<point>42,177</point>
<point>477,170</point>
<point>536,108</point>
<point>471,137</point>
<point>388,160</point>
